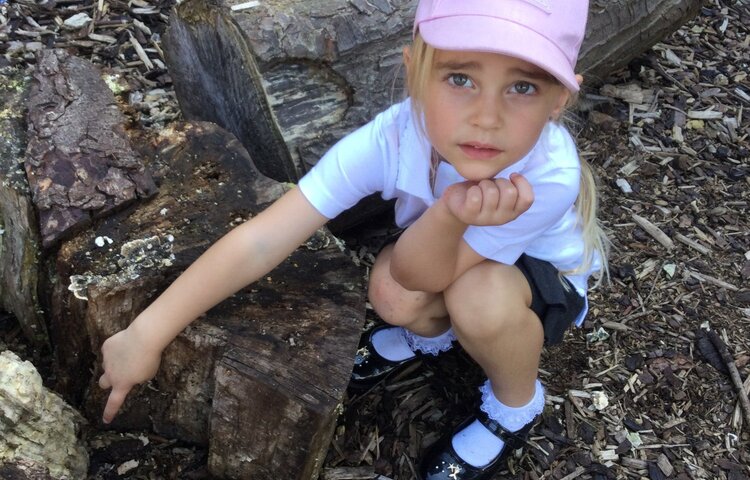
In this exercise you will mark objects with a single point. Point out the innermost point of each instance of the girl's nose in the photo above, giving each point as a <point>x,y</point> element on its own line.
<point>487,112</point>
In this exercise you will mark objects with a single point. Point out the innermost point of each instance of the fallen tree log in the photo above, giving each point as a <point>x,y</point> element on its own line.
<point>291,77</point>
<point>259,378</point>
<point>20,246</point>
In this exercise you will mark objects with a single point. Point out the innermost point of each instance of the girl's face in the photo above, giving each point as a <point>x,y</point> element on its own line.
<point>485,111</point>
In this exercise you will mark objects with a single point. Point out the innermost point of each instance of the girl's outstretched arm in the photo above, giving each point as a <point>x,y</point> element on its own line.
<point>245,254</point>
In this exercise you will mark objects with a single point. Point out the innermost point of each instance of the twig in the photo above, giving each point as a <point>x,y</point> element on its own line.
<point>692,244</point>
<point>734,374</point>
<point>736,420</point>
<point>576,473</point>
<point>654,231</point>
<point>712,280</point>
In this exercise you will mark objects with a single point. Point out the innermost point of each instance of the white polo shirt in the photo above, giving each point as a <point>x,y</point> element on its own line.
<point>389,155</point>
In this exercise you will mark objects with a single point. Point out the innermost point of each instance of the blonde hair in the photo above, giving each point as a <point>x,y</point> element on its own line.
<point>419,69</point>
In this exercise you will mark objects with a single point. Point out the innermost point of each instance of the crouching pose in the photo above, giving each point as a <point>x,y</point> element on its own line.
<point>499,214</point>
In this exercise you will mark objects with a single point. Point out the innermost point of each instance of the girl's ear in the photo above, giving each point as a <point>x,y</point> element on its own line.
<point>562,102</point>
<point>407,59</point>
<point>565,97</point>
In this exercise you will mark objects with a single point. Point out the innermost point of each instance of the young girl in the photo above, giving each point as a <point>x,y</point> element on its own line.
<point>500,237</point>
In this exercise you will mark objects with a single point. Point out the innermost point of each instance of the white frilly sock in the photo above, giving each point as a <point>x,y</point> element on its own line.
<point>478,446</point>
<point>398,344</point>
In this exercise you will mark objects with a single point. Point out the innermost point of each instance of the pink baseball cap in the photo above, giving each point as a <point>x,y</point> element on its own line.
<point>547,33</point>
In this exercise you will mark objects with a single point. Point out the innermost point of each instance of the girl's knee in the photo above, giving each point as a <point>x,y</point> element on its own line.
<point>488,300</point>
<point>394,304</point>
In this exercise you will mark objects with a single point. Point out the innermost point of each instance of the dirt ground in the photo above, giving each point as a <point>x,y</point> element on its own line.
<point>638,392</point>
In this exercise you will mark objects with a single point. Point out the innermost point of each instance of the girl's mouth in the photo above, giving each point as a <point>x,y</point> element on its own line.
<point>479,151</point>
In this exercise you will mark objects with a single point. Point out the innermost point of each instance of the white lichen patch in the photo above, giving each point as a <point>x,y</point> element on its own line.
<point>321,239</point>
<point>135,257</point>
<point>79,285</point>
<point>147,253</point>
<point>36,423</point>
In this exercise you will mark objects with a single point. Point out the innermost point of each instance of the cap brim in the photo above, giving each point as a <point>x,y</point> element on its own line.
<point>485,34</point>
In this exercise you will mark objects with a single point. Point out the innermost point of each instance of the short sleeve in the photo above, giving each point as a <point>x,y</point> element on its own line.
<point>353,168</point>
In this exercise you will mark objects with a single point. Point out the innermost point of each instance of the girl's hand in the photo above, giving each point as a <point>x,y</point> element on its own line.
<point>126,362</point>
<point>489,202</point>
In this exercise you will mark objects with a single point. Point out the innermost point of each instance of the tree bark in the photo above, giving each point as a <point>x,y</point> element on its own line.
<point>79,162</point>
<point>19,234</point>
<point>259,378</point>
<point>291,77</point>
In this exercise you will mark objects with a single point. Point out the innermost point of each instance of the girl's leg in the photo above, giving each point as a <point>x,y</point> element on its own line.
<point>420,312</point>
<point>489,310</point>
<point>419,323</point>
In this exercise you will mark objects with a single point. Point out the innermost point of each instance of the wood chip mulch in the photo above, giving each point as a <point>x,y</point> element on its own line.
<point>642,390</point>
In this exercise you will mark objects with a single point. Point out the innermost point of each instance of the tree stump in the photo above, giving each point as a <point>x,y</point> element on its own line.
<point>291,77</point>
<point>36,426</point>
<point>20,248</point>
<point>259,379</point>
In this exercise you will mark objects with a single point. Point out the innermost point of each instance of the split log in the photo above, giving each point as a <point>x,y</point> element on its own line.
<point>79,162</point>
<point>19,234</point>
<point>37,426</point>
<point>259,378</point>
<point>291,77</point>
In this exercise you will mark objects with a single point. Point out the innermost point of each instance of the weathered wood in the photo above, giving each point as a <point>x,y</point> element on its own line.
<point>19,234</point>
<point>259,378</point>
<point>307,72</point>
<point>620,30</point>
<point>24,470</point>
<point>79,162</point>
<point>36,425</point>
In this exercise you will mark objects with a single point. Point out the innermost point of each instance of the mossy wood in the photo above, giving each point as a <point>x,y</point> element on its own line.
<point>291,77</point>
<point>258,379</point>
<point>20,246</point>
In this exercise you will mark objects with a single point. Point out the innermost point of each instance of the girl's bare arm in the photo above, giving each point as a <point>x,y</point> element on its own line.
<point>431,254</point>
<point>245,254</point>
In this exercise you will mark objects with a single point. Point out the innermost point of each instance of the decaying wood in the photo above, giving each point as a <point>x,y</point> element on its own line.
<point>19,469</point>
<point>289,78</point>
<point>260,378</point>
<point>79,162</point>
<point>36,424</point>
<point>19,237</point>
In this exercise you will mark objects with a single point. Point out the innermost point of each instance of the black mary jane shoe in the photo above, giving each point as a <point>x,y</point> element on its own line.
<point>441,462</point>
<point>369,367</point>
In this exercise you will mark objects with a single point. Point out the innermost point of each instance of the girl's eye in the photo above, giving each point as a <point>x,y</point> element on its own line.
<point>460,80</point>
<point>524,88</point>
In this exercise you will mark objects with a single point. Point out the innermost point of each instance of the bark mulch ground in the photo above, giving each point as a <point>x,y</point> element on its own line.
<point>642,390</point>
